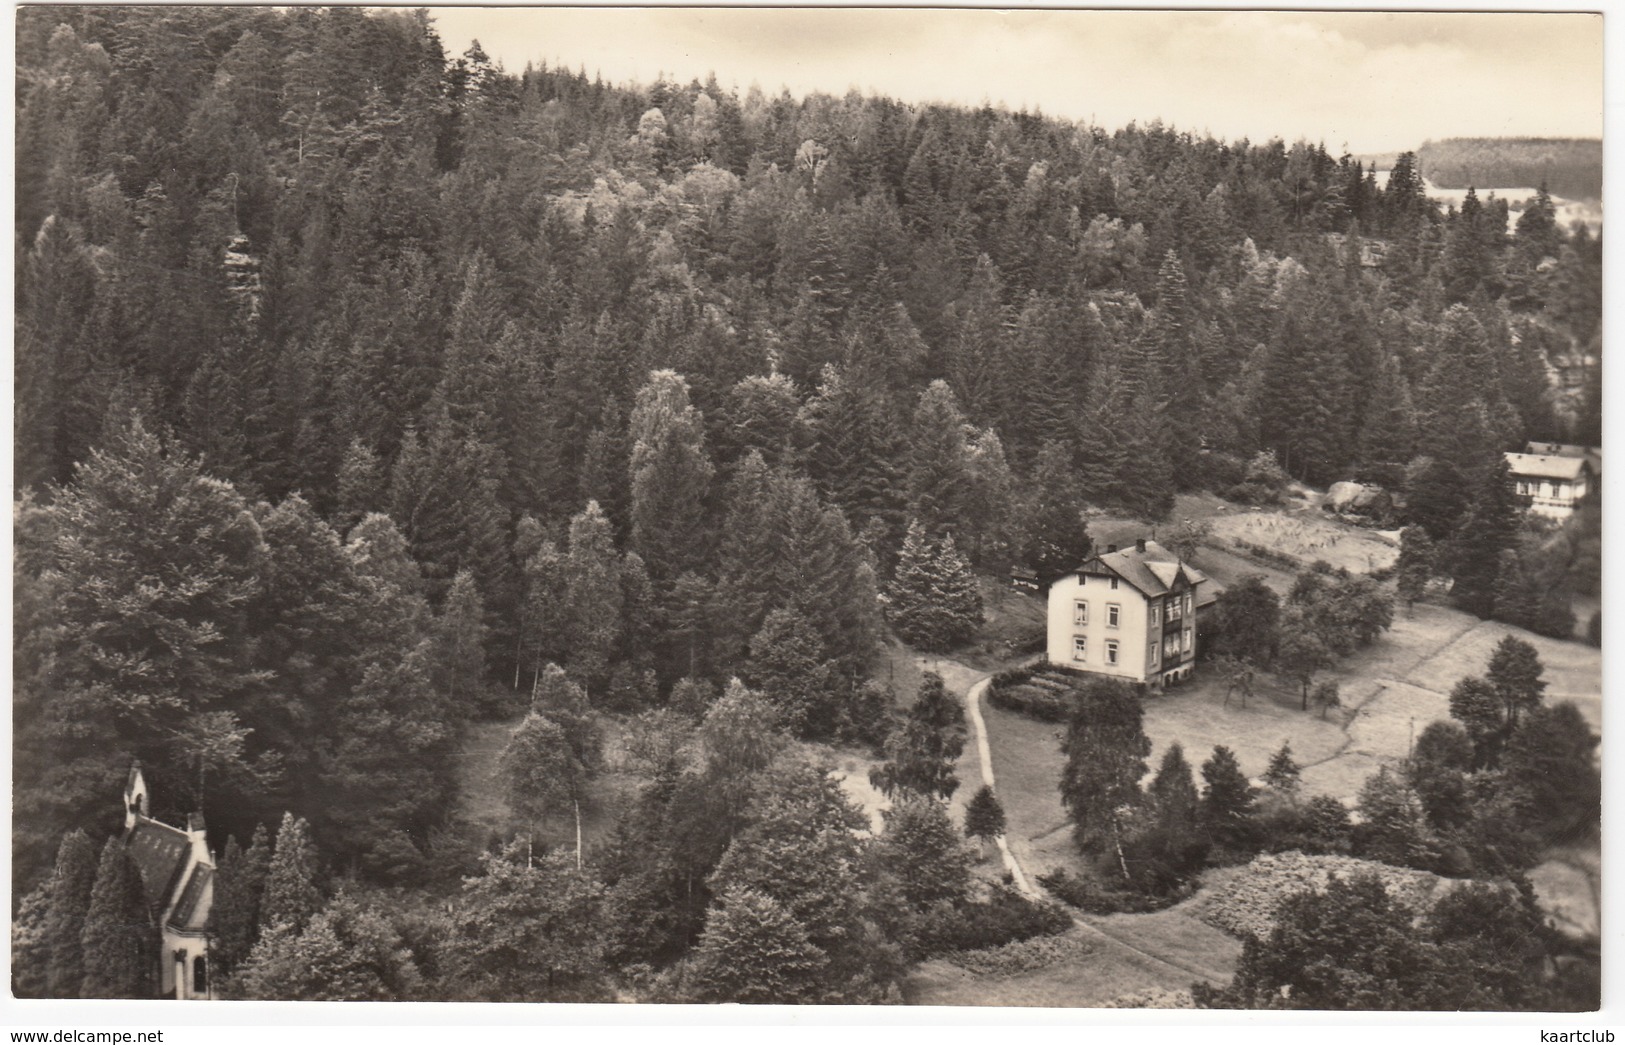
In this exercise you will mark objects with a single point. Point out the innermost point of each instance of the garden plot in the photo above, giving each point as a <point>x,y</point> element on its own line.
<point>1308,536</point>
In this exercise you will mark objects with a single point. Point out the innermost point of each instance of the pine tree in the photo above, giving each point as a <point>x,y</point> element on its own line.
<point>119,941</point>
<point>291,894</point>
<point>922,750</point>
<point>70,888</point>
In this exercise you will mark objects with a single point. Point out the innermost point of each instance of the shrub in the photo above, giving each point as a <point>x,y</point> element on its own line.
<point>1042,704</point>
<point>1006,916</point>
<point>1097,897</point>
<point>1012,959</point>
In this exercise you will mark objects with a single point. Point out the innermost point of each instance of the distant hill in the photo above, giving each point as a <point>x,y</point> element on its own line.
<point>1571,167</point>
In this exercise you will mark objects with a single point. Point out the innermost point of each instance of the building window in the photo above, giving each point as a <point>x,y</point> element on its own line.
<point>1154,613</point>
<point>1111,651</point>
<point>200,976</point>
<point>1114,614</point>
<point>1151,653</point>
<point>1080,613</point>
<point>1187,603</point>
<point>1173,609</point>
<point>1190,637</point>
<point>1080,647</point>
<point>1170,646</point>
<point>1114,584</point>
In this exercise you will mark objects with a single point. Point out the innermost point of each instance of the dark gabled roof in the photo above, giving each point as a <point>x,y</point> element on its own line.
<point>188,914</point>
<point>160,852</point>
<point>1155,571</point>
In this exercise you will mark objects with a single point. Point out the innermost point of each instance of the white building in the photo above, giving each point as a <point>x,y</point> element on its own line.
<point>1130,614</point>
<point>1553,482</point>
<point>177,872</point>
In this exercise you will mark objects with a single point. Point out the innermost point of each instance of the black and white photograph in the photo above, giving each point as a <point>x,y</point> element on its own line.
<point>1011,508</point>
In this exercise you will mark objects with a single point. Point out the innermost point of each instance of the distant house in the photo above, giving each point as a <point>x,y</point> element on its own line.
<point>1554,483</point>
<point>1130,614</point>
<point>177,873</point>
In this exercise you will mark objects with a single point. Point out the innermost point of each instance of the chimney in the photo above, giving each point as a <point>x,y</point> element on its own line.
<point>1139,545</point>
<point>1110,548</point>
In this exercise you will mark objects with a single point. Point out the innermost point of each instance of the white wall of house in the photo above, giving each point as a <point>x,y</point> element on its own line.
<point>1097,631</point>
<point>1555,498</point>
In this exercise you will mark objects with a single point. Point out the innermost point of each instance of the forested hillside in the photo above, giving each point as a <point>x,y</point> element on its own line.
<point>1570,167</point>
<point>356,383</point>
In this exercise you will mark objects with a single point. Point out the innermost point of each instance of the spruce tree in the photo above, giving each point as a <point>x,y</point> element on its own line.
<point>922,852</point>
<point>460,645</point>
<point>593,593</point>
<point>984,816</point>
<point>1283,772</point>
<point>937,475</point>
<point>239,888</point>
<point>935,601</point>
<point>1057,537</point>
<point>291,894</point>
<point>1176,846</point>
<point>1489,528</point>
<point>70,887</point>
<point>1415,565</point>
<point>670,475</point>
<point>922,750</point>
<point>1227,801</point>
<point>120,943</point>
<point>754,951</point>
<point>789,668</point>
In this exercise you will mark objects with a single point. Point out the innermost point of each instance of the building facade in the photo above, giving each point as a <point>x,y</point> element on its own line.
<point>1554,483</point>
<point>177,872</point>
<point>1129,614</point>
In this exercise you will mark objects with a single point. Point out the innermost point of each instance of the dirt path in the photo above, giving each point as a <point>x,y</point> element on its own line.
<point>973,709</point>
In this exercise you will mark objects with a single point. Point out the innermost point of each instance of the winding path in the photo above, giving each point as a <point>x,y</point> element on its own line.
<point>973,708</point>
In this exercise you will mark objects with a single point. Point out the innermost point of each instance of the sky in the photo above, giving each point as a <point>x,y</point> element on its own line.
<point>1367,82</point>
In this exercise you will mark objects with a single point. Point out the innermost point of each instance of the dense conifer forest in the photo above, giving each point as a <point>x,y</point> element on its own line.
<point>358,383</point>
